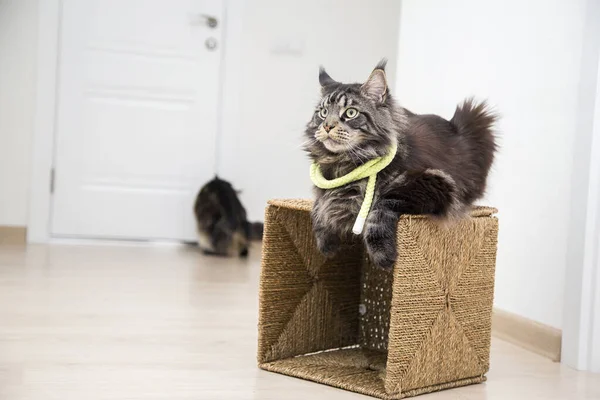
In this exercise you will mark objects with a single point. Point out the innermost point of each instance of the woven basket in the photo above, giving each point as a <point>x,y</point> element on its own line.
<point>423,327</point>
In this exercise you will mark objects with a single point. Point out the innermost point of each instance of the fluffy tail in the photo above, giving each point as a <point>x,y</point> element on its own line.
<point>475,120</point>
<point>475,123</point>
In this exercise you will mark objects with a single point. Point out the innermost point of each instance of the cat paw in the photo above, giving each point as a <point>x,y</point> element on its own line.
<point>328,245</point>
<point>384,260</point>
<point>382,251</point>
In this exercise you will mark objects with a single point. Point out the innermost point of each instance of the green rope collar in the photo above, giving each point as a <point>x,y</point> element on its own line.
<point>367,170</point>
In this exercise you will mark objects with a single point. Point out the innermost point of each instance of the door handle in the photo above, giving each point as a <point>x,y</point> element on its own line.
<point>204,19</point>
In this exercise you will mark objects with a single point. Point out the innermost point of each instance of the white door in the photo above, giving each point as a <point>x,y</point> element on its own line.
<point>137,116</point>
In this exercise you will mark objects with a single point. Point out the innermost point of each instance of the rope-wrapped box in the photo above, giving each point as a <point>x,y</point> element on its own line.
<point>421,327</point>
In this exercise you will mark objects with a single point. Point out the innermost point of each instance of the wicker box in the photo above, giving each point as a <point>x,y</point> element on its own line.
<point>423,327</point>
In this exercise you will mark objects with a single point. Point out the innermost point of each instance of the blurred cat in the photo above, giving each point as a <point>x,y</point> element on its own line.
<point>440,167</point>
<point>223,227</point>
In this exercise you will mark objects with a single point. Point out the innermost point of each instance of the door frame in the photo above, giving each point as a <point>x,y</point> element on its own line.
<point>42,159</point>
<point>44,132</point>
<point>581,318</point>
<point>581,330</point>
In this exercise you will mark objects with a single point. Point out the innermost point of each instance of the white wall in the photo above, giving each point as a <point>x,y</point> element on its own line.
<point>273,52</point>
<point>18,33</point>
<point>525,57</point>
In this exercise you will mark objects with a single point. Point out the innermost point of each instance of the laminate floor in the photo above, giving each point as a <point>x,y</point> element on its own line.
<point>87,322</point>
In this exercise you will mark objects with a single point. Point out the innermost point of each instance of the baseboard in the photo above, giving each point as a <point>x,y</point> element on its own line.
<point>531,335</point>
<point>15,235</point>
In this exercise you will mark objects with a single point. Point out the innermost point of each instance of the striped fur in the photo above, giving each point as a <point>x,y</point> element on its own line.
<point>440,168</point>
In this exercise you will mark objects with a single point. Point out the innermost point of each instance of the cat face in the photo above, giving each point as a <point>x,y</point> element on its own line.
<point>353,121</point>
<point>340,121</point>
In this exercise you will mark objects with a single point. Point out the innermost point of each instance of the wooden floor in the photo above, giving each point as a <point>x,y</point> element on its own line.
<point>166,323</point>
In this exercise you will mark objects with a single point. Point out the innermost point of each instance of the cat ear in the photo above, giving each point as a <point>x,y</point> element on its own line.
<point>376,86</point>
<point>324,78</point>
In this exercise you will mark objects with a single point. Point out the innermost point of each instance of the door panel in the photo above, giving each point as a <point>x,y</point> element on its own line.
<point>137,117</point>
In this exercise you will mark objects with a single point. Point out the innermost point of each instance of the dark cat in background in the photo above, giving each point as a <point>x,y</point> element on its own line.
<point>223,227</point>
<point>440,167</point>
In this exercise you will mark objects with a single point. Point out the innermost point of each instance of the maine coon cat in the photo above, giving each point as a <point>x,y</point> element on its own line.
<point>223,228</point>
<point>440,167</point>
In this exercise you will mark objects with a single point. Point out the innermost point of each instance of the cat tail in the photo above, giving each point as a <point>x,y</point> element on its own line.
<point>475,120</point>
<point>255,230</point>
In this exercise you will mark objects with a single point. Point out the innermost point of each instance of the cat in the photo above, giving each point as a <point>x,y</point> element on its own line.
<point>440,167</point>
<point>223,228</point>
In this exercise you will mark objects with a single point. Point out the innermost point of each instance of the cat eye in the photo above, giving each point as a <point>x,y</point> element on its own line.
<point>351,113</point>
<point>323,113</point>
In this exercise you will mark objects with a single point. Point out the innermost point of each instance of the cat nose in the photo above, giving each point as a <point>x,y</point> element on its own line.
<point>327,127</point>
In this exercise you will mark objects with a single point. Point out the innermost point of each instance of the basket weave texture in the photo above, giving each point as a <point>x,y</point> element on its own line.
<point>422,327</point>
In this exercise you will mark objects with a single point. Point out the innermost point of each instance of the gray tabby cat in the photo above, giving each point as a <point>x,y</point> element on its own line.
<point>440,167</point>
